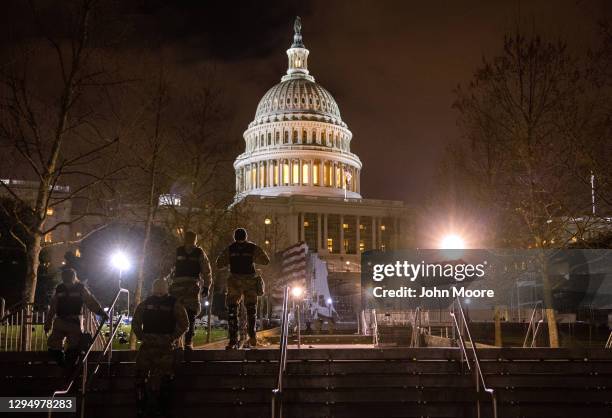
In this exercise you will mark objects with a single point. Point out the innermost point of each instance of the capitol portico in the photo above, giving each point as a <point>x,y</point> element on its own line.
<point>298,173</point>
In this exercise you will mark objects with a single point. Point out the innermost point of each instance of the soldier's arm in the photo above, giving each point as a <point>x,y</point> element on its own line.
<point>223,259</point>
<point>182,321</point>
<point>92,303</point>
<point>260,256</point>
<point>205,271</point>
<point>51,314</point>
<point>137,321</point>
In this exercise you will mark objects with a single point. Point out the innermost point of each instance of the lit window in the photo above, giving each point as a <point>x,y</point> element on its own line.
<point>48,237</point>
<point>305,173</point>
<point>345,226</point>
<point>275,174</point>
<point>361,226</point>
<point>50,211</point>
<point>79,234</point>
<point>285,174</point>
<point>361,246</point>
<point>315,174</point>
<point>306,224</point>
<point>296,174</point>
<point>330,245</point>
<point>77,252</point>
<point>346,245</point>
<point>382,227</point>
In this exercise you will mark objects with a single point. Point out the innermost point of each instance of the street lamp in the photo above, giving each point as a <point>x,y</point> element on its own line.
<point>297,292</point>
<point>452,242</point>
<point>120,262</point>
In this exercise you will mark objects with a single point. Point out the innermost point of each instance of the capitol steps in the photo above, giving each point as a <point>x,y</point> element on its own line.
<point>394,382</point>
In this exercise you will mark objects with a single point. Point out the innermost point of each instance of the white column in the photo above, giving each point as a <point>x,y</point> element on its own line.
<point>374,233</point>
<point>319,232</point>
<point>302,220</point>
<point>300,168</point>
<point>342,235</point>
<point>325,235</point>
<point>321,173</point>
<point>357,235</point>
<point>311,173</point>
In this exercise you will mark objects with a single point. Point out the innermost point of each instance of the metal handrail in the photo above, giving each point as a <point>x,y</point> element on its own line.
<point>415,340</point>
<point>277,393</point>
<point>374,322</point>
<point>609,341</point>
<point>480,379</point>
<point>82,366</point>
<point>532,328</point>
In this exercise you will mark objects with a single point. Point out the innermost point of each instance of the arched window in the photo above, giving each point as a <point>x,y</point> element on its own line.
<point>304,136</point>
<point>314,136</point>
<point>305,172</point>
<point>285,173</point>
<point>315,172</point>
<point>295,136</point>
<point>269,138</point>
<point>277,137</point>
<point>295,175</point>
<point>286,138</point>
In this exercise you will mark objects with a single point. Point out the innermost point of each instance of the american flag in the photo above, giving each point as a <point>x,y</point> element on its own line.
<point>291,270</point>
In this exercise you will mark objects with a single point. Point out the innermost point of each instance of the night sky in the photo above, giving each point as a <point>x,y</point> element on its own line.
<point>391,65</point>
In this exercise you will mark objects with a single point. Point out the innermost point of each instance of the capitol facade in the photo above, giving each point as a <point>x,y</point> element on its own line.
<point>301,180</point>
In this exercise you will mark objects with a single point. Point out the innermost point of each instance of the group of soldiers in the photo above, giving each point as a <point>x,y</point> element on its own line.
<point>165,321</point>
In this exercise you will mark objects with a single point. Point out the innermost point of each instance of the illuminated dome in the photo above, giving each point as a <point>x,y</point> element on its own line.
<point>297,143</point>
<point>298,98</point>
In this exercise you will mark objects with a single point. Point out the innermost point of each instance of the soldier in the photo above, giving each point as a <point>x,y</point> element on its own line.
<point>191,278</point>
<point>243,282</point>
<point>159,322</point>
<point>65,319</point>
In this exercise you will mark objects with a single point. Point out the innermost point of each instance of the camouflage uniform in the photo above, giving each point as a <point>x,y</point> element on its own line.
<point>243,282</point>
<point>156,359</point>
<point>65,320</point>
<point>191,277</point>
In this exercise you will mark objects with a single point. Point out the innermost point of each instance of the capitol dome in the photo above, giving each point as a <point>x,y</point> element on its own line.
<point>297,143</point>
<point>299,98</point>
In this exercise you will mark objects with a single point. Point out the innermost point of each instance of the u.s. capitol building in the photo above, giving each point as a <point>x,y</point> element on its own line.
<point>301,180</point>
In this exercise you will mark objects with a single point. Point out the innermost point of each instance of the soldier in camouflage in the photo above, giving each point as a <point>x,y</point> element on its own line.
<point>244,282</point>
<point>191,279</point>
<point>159,322</point>
<point>65,319</point>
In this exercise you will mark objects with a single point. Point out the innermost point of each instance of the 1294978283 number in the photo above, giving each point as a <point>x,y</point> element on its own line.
<point>29,404</point>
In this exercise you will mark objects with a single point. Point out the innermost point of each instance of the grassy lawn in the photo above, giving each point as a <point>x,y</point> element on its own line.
<point>39,339</point>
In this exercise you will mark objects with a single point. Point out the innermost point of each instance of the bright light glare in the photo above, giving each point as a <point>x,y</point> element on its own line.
<point>296,291</point>
<point>452,242</point>
<point>120,261</point>
<point>329,301</point>
<point>206,303</point>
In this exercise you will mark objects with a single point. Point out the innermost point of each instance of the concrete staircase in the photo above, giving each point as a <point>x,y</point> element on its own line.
<point>393,382</point>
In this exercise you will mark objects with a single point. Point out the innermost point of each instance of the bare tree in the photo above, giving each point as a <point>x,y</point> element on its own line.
<point>520,156</point>
<point>51,90</point>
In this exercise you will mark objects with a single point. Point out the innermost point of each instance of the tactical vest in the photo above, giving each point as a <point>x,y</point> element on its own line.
<point>69,299</point>
<point>241,257</point>
<point>188,265</point>
<point>158,315</point>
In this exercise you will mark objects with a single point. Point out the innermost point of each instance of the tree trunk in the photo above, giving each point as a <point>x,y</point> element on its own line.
<point>551,317</point>
<point>143,255</point>
<point>498,329</point>
<point>29,289</point>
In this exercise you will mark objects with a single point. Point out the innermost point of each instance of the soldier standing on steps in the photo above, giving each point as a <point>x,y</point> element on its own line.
<point>244,282</point>
<point>65,319</point>
<point>159,322</point>
<point>191,278</point>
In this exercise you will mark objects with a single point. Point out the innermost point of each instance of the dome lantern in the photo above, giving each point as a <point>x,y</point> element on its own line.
<point>298,55</point>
